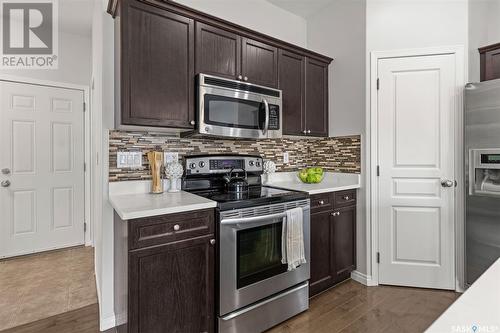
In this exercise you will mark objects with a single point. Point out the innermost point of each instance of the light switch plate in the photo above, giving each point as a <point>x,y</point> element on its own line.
<point>129,160</point>
<point>170,157</point>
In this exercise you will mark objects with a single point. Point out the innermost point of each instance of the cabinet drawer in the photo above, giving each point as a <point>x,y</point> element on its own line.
<point>321,202</point>
<point>169,228</point>
<point>344,198</point>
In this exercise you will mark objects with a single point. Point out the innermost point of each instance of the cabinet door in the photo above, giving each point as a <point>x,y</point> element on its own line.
<point>490,65</point>
<point>316,98</point>
<point>291,77</point>
<point>157,67</point>
<point>171,287</point>
<point>344,242</point>
<point>322,259</point>
<point>259,63</point>
<point>218,52</point>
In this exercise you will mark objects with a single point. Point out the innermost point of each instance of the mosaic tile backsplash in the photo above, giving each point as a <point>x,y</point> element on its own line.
<point>341,154</point>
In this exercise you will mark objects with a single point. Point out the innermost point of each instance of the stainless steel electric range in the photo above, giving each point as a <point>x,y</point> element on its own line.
<point>255,290</point>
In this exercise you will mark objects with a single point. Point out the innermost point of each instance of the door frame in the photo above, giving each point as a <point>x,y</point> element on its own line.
<point>372,190</point>
<point>89,232</point>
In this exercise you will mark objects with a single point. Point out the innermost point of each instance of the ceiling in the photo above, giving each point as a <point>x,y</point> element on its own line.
<point>303,8</point>
<point>75,16</point>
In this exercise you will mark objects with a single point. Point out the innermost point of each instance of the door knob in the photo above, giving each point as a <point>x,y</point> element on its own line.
<point>6,171</point>
<point>447,183</point>
<point>5,183</point>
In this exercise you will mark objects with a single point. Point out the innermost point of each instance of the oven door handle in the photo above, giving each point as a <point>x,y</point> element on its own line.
<point>266,120</point>
<point>254,219</point>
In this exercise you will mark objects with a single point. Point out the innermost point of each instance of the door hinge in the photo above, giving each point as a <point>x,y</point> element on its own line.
<point>84,167</point>
<point>84,107</point>
<point>378,257</point>
<point>378,170</point>
<point>378,84</point>
<point>84,226</point>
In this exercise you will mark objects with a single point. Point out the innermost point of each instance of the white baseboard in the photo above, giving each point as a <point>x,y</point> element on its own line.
<point>363,278</point>
<point>121,319</point>
<point>107,323</point>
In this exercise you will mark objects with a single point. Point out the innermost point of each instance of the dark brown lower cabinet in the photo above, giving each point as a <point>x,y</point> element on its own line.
<point>171,286</point>
<point>333,239</point>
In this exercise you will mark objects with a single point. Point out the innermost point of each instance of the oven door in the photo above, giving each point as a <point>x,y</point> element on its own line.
<point>250,255</point>
<point>232,113</point>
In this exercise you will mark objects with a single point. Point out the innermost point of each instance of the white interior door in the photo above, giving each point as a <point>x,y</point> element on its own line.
<point>41,157</point>
<point>416,154</point>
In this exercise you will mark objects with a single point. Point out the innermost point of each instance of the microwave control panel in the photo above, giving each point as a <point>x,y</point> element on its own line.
<point>274,117</point>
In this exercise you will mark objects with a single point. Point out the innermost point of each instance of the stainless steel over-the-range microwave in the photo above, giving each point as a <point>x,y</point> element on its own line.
<point>230,108</point>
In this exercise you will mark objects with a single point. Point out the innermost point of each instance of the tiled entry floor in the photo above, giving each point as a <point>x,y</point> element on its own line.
<point>42,285</point>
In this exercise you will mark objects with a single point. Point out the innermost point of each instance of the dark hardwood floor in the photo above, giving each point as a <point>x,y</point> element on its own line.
<point>348,307</point>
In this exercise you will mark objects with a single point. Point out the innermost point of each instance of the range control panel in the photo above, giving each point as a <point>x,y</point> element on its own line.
<point>204,165</point>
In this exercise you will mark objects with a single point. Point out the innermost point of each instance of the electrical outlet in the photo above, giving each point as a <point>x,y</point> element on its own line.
<point>286,158</point>
<point>170,157</point>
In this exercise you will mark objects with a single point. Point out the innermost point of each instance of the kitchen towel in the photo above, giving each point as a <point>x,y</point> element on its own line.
<point>292,239</point>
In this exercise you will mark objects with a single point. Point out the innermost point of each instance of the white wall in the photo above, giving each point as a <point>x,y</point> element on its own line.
<point>409,24</point>
<point>258,15</point>
<point>74,62</point>
<point>102,120</point>
<point>339,31</point>
<point>484,29</point>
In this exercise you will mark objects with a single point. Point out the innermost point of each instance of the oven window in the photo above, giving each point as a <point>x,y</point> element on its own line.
<point>233,112</point>
<point>259,254</point>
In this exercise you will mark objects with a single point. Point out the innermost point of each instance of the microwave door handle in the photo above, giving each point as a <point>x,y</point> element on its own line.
<point>266,121</point>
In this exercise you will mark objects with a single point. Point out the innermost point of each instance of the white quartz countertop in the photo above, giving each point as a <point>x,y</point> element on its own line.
<point>332,182</point>
<point>132,200</point>
<point>477,310</point>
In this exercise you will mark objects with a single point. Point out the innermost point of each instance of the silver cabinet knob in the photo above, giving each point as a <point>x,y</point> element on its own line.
<point>308,131</point>
<point>245,78</point>
<point>192,122</point>
<point>177,227</point>
<point>304,131</point>
<point>447,183</point>
<point>6,171</point>
<point>346,197</point>
<point>5,183</point>
<point>321,202</point>
<point>335,213</point>
<point>240,77</point>
<point>212,241</point>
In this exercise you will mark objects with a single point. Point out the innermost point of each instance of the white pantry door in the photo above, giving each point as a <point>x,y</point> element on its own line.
<point>41,162</point>
<point>416,154</point>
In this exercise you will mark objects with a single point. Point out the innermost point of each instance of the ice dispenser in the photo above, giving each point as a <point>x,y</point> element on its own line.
<point>484,172</point>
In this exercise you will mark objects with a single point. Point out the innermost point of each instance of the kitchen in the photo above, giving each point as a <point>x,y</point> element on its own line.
<point>290,166</point>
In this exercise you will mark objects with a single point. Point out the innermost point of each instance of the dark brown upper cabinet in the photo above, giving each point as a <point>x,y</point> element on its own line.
<point>164,44</point>
<point>316,98</point>
<point>218,52</point>
<point>259,63</point>
<point>291,80</point>
<point>490,62</point>
<point>157,54</point>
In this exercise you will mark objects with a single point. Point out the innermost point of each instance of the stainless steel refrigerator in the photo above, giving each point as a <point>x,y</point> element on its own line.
<point>482,152</point>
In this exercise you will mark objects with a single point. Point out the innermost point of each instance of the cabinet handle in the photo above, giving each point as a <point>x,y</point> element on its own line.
<point>321,202</point>
<point>335,213</point>
<point>245,78</point>
<point>240,77</point>
<point>177,227</point>
<point>192,122</point>
<point>346,197</point>
<point>212,241</point>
